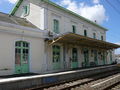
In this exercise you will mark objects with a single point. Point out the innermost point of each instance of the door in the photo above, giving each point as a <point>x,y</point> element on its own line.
<point>21,57</point>
<point>74,60</point>
<point>95,57</point>
<point>56,57</point>
<point>86,58</point>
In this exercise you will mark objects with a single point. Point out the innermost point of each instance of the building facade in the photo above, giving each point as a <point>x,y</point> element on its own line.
<point>49,38</point>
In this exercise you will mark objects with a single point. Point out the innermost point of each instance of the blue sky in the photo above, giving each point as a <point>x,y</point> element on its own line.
<point>108,15</point>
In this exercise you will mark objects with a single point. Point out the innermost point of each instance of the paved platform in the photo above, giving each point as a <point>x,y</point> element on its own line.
<point>23,82</point>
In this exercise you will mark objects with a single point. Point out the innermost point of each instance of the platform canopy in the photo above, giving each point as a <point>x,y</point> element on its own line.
<point>76,39</point>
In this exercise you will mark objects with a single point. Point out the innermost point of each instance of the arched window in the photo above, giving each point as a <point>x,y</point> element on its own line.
<point>22,57</point>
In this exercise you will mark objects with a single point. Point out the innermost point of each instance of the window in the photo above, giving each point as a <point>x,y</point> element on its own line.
<point>94,35</point>
<point>56,26</point>
<point>74,28</point>
<point>85,33</point>
<point>26,10</point>
<point>101,37</point>
<point>56,53</point>
<point>21,52</point>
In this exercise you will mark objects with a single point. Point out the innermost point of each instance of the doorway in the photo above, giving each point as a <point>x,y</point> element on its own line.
<point>86,57</point>
<point>56,57</point>
<point>21,57</point>
<point>74,60</point>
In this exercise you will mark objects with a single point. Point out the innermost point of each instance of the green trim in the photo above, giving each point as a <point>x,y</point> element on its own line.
<point>15,8</point>
<point>62,8</point>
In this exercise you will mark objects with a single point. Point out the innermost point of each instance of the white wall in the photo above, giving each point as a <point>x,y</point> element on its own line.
<point>36,15</point>
<point>7,52</point>
<point>66,21</point>
<point>42,15</point>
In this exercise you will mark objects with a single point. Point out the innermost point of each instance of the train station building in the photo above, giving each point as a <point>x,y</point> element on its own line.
<point>40,36</point>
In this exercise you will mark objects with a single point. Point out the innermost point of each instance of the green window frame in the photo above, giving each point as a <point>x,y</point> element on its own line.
<point>56,26</point>
<point>21,48</point>
<point>21,57</point>
<point>94,35</point>
<point>73,28</point>
<point>85,33</point>
<point>26,10</point>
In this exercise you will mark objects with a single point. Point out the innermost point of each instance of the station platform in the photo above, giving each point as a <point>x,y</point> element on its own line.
<point>34,80</point>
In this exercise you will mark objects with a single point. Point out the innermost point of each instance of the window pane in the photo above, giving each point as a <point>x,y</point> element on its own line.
<point>17,56</point>
<point>18,44</point>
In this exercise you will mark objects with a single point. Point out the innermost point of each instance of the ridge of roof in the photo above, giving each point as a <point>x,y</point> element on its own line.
<point>18,3</point>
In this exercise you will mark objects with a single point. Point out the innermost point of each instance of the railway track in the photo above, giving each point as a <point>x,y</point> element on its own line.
<point>114,87</point>
<point>81,84</point>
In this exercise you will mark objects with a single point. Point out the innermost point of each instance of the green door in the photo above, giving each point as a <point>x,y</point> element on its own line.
<point>56,57</point>
<point>74,62</point>
<point>95,57</point>
<point>21,57</point>
<point>86,58</point>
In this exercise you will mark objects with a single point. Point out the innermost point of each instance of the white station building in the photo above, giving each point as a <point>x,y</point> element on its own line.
<point>40,36</point>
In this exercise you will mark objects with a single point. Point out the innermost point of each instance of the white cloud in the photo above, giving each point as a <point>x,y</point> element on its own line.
<point>95,12</point>
<point>96,1</point>
<point>12,1</point>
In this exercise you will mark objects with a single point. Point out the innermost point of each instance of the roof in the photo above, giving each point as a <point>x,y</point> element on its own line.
<point>62,8</point>
<point>76,39</point>
<point>15,20</point>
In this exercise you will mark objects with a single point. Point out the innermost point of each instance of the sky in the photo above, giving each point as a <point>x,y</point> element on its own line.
<point>105,12</point>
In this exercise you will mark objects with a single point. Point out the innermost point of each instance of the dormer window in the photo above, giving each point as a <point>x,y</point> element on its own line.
<point>26,10</point>
<point>73,28</point>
